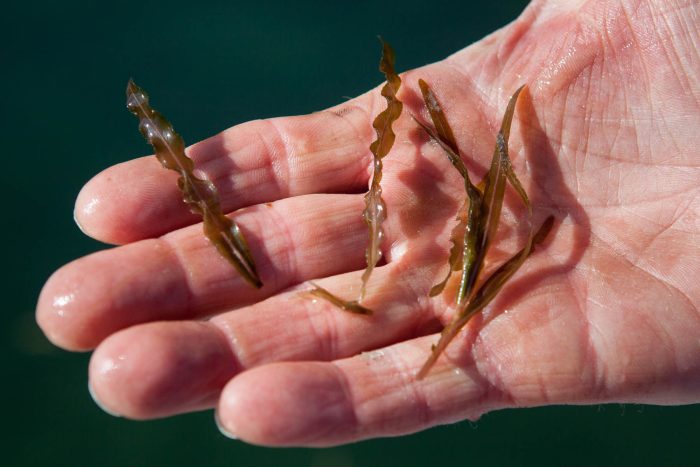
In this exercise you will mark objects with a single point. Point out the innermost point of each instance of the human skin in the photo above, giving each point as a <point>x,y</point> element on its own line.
<point>605,138</point>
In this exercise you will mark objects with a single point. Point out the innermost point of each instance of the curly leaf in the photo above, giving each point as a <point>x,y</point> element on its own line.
<point>375,209</point>
<point>456,252</point>
<point>200,195</point>
<point>374,213</point>
<point>476,244</point>
<point>465,234</point>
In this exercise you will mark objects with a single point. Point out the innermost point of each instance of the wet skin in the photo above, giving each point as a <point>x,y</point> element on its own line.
<point>606,310</point>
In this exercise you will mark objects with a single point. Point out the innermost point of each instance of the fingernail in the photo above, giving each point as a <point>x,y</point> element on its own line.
<point>75,219</point>
<point>221,428</point>
<point>100,404</point>
<point>86,207</point>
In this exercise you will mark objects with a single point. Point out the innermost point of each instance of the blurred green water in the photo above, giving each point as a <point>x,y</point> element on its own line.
<point>213,65</point>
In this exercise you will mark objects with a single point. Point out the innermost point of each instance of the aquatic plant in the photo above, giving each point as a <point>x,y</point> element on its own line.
<point>477,223</point>
<point>200,195</point>
<point>375,208</point>
<point>477,220</point>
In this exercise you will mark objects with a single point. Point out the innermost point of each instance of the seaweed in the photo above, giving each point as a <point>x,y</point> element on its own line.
<point>375,209</point>
<point>484,295</point>
<point>464,235</point>
<point>200,195</point>
<point>353,306</point>
<point>374,213</point>
<point>477,224</point>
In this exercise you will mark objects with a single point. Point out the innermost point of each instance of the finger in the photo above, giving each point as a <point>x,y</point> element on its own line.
<point>181,276</point>
<point>251,163</point>
<point>182,366</point>
<point>297,326</point>
<point>370,395</point>
<point>156,369</point>
<point>289,326</point>
<point>187,363</point>
<point>543,351</point>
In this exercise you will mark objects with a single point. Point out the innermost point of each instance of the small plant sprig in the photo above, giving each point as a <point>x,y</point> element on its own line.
<point>375,208</point>
<point>200,195</point>
<point>477,222</point>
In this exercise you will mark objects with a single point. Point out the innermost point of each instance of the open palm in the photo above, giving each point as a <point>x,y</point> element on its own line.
<point>605,139</point>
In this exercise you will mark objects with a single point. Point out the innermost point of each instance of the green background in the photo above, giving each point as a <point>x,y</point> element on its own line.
<point>208,66</point>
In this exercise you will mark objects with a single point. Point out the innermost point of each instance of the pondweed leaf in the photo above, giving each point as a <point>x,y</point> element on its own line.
<point>375,209</point>
<point>348,305</point>
<point>457,251</point>
<point>484,295</point>
<point>443,132</point>
<point>200,195</point>
<point>464,235</point>
<point>483,205</point>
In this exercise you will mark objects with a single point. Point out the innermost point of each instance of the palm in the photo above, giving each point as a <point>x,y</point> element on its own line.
<point>605,311</point>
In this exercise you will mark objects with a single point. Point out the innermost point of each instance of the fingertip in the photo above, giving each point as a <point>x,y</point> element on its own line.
<point>286,404</point>
<point>98,402</point>
<point>111,368</point>
<point>90,298</point>
<point>119,204</point>
<point>222,429</point>
<point>85,206</point>
<point>160,369</point>
<point>57,311</point>
<point>94,211</point>
<point>74,305</point>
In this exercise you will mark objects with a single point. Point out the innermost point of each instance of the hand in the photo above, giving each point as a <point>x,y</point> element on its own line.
<point>605,311</point>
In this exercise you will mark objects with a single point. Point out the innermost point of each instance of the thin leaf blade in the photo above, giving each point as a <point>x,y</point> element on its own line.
<point>437,115</point>
<point>351,306</point>
<point>495,282</point>
<point>465,235</point>
<point>493,194</point>
<point>491,191</point>
<point>456,251</point>
<point>485,295</point>
<point>375,208</point>
<point>200,195</point>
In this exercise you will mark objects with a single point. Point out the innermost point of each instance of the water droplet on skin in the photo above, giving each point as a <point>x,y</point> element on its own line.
<point>63,300</point>
<point>398,249</point>
<point>109,365</point>
<point>374,355</point>
<point>60,302</point>
<point>91,206</point>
